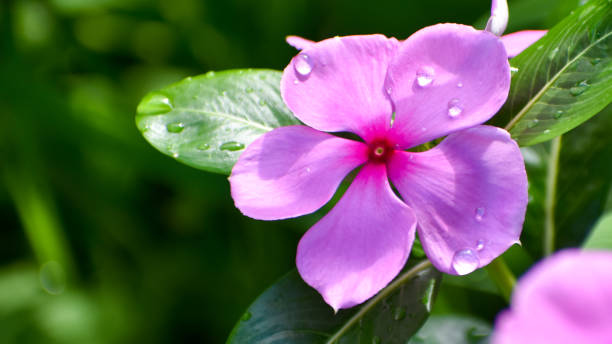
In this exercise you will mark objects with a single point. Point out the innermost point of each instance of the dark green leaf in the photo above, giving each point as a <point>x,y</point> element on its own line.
<point>447,329</point>
<point>563,79</point>
<point>601,235</point>
<point>207,121</point>
<point>291,312</point>
<point>583,184</point>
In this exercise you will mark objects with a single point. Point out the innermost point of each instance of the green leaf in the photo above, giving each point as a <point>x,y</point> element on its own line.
<point>441,329</point>
<point>563,79</point>
<point>582,188</point>
<point>291,312</point>
<point>601,235</point>
<point>206,121</point>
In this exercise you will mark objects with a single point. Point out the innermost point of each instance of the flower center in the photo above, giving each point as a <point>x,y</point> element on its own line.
<point>380,151</point>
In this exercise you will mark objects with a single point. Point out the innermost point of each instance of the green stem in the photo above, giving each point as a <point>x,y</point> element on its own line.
<point>502,277</point>
<point>379,297</point>
<point>551,196</point>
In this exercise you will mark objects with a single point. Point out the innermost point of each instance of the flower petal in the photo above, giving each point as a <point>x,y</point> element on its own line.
<point>337,84</point>
<point>499,17</point>
<point>445,78</point>
<point>516,42</point>
<point>292,171</point>
<point>469,194</point>
<point>361,244</point>
<point>299,43</point>
<point>566,298</point>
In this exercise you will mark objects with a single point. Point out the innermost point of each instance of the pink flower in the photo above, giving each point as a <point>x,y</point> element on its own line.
<point>564,299</point>
<point>466,197</point>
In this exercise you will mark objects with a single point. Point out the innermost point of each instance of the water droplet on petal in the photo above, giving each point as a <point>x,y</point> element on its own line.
<point>303,65</point>
<point>454,108</point>
<point>479,245</point>
<point>389,90</point>
<point>296,81</point>
<point>425,76</point>
<point>558,114</point>
<point>459,84</point>
<point>175,127</point>
<point>479,213</point>
<point>399,313</point>
<point>231,146</point>
<point>465,261</point>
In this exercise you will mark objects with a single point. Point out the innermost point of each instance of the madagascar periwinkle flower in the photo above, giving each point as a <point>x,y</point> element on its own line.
<point>565,299</point>
<point>466,197</point>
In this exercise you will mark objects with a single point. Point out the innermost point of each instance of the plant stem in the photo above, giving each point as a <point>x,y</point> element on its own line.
<point>502,277</point>
<point>551,196</point>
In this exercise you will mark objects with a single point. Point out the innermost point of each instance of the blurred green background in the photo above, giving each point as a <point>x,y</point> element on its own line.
<point>105,240</point>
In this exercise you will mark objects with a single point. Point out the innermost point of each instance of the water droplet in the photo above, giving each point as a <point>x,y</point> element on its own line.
<point>188,79</point>
<point>423,129</point>
<point>204,146</point>
<point>175,127</point>
<point>425,76</point>
<point>303,65</point>
<point>454,108</point>
<point>513,70</point>
<point>296,81</point>
<point>595,61</point>
<point>533,123</point>
<point>246,316</point>
<point>465,261</point>
<point>579,89</point>
<point>459,84</point>
<point>389,90</point>
<point>410,157</point>
<point>547,131</point>
<point>558,114</point>
<point>399,313</point>
<point>480,245</point>
<point>249,90</point>
<point>52,278</point>
<point>224,93</point>
<point>231,146</point>
<point>479,213</point>
<point>154,104</point>
<point>175,155</point>
<point>553,53</point>
<point>376,340</point>
<point>210,74</point>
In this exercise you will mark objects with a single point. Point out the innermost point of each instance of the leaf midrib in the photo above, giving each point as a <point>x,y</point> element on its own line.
<point>550,83</point>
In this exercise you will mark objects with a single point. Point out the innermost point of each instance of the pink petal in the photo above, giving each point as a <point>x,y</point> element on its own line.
<point>469,194</point>
<point>516,42</point>
<point>299,43</point>
<point>445,78</point>
<point>361,245</point>
<point>564,299</point>
<point>292,171</point>
<point>499,17</point>
<point>337,85</point>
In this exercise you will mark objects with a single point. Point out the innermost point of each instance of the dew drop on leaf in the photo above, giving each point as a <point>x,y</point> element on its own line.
<point>231,146</point>
<point>558,114</point>
<point>155,104</point>
<point>175,127</point>
<point>533,123</point>
<point>465,261</point>
<point>579,89</point>
<point>204,146</point>
<point>399,313</point>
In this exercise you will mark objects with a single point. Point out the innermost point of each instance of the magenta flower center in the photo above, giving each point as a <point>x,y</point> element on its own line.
<point>380,151</point>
